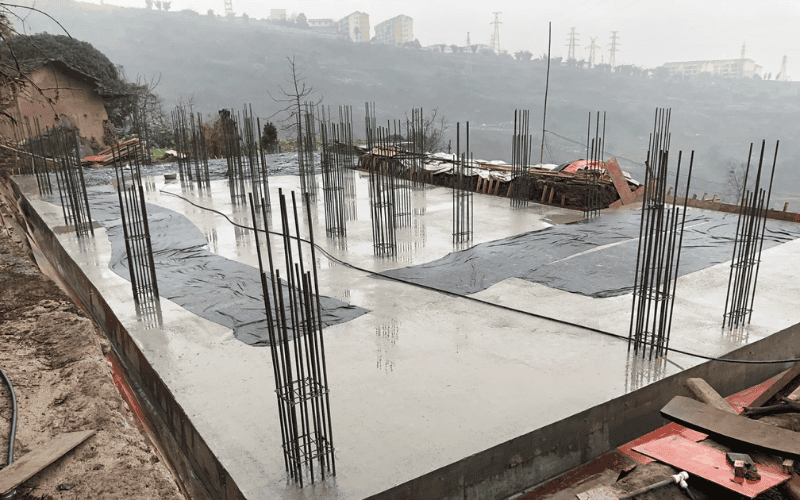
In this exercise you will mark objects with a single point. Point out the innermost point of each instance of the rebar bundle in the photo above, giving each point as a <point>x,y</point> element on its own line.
<point>395,160</point>
<point>522,185</point>
<point>307,145</point>
<point>595,150</point>
<point>35,161</point>
<point>370,125</point>
<point>415,149</point>
<point>247,165</point>
<point>658,255</point>
<point>139,116</point>
<point>136,231</point>
<point>748,244</point>
<point>299,367</point>
<point>382,193</point>
<point>190,144</point>
<point>462,192</point>
<point>63,146</point>
<point>332,166</point>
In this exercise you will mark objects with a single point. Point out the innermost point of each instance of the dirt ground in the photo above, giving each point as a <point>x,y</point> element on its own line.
<point>56,359</point>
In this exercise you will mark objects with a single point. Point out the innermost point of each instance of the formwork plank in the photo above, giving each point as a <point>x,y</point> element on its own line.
<point>33,462</point>
<point>705,418</point>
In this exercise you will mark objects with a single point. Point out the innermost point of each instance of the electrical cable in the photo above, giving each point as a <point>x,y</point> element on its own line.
<point>13,428</point>
<point>485,302</point>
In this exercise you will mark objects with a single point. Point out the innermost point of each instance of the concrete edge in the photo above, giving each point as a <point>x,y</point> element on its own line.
<point>550,451</point>
<point>171,422</point>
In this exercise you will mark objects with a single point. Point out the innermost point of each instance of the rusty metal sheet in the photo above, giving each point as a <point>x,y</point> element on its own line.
<point>709,464</point>
<point>705,418</point>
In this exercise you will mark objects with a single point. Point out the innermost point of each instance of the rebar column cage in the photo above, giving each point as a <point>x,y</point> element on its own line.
<point>522,184</point>
<point>65,149</point>
<point>136,231</point>
<point>462,192</point>
<point>332,166</point>
<point>747,245</point>
<point>595,152</point>
<point>33,159</point>
<point>382,197</point>
<point>307,145</point>
<point>190,144</point>
<point>658,254</point>
<point>244,152</point>
<point>299,366</point>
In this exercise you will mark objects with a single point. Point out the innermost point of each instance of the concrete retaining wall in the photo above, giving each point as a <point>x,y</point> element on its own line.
<point>545,453</point>
<point>189,446</point>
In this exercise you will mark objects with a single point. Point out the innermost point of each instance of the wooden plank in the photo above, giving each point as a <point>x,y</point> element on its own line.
<point>779,384</point>
<point>33,462</point>
<point>795,395</point>
<point>620,183</point>
<point>710,464</point>
<point>706,418</point>
<point>706,394</point>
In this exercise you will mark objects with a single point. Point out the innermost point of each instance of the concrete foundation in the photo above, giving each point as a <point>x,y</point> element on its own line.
<point>432,395</point>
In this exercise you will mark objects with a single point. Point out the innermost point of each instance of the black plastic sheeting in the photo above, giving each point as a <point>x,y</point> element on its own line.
<point>213,287</point>
<point>595,257</point>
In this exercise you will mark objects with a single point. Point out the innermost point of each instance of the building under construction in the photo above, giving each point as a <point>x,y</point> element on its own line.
<point>389,323</point>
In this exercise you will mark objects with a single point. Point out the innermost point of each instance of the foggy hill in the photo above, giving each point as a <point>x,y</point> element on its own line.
<point>227,63</point>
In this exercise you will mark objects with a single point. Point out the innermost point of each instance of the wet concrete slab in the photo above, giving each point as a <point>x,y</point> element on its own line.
<point>423,379</point>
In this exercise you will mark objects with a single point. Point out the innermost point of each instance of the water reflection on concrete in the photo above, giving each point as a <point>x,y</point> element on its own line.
<point>641,371</point>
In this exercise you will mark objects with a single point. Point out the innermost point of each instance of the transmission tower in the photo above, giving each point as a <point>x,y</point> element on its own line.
<point>612,60</point>
<point>743,47</point>
<point>592,49</point>
<point>496,34</point>
<point>228,7</point>
<point>572,41</point>
<point>469,45</point>
<point>782,76</point>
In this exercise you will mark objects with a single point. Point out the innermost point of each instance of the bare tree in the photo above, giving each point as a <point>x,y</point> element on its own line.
<point>433,130</point>
<point>293,98</point>
<point>734,178</point>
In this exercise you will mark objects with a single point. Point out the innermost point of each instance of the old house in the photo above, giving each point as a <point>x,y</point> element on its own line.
<point>57,94</point>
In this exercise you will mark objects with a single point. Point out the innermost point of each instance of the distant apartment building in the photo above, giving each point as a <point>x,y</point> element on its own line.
<point>277,14</point>
<point>395,31</point>
<point>356,26</point>
<point>727,68</point>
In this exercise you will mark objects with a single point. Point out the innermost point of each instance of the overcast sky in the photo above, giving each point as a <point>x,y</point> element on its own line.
<point>650,32</point>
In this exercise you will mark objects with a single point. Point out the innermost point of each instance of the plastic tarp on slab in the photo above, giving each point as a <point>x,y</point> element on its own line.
<point>595,257</point>
<point>211,286</point>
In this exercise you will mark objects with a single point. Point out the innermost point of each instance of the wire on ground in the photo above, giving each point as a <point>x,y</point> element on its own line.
<point>485,302</point>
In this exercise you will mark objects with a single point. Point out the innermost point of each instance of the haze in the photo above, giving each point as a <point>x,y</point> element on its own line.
<point>650,33</point>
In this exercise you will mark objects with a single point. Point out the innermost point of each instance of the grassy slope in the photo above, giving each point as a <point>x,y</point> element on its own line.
<point>228,64</point>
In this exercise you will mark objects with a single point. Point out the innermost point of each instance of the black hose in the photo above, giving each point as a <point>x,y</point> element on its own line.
<point>13,418</point>
<point>492,304</point>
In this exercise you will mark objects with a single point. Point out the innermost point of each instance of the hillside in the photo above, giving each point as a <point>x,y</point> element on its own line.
<point>225,63</point>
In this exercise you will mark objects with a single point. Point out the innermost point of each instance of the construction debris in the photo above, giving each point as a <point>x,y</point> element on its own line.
<point>105,158</point>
